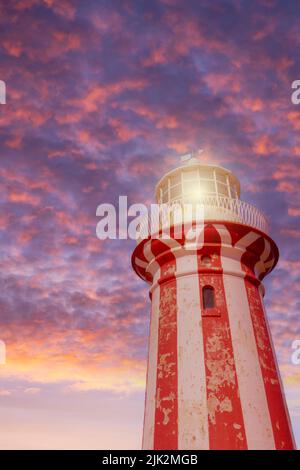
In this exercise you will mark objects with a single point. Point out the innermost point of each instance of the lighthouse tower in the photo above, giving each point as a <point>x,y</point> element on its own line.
<point>212,380</point>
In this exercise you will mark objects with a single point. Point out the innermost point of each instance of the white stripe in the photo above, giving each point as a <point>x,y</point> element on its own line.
<point>153,266</point>
<point>149,420</point>
<point>140,263</point>
<point>192,400</point>
<point>260,267</point>
<point>247,240</point>
<point>258,426</point>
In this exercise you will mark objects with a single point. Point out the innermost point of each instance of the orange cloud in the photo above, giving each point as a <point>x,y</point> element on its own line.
<point>218,82</point>
<point>45,360</point>
<point>254,105</point>
<point>100,93</point>
<point>14,48</point>
<point>157,56</point>
<point>294,212</point>
<point>61,7</point>
<point>168,122</point>
<point>294,119</point>
<point>287,187</point>
<point>123,132</point>
<point>15,142</point>
<point>68,41</point>
<point>264,145</point>
<point>22,197</point>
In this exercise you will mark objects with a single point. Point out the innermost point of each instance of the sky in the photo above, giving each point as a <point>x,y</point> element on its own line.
<point>102,99</point>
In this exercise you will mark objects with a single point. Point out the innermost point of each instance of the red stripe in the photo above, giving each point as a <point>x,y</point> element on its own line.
<point>275,395</point>
<point>166,411</point>
<point>225,417</point>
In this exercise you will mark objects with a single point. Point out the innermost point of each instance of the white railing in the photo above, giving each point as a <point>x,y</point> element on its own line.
<point>217,208</point>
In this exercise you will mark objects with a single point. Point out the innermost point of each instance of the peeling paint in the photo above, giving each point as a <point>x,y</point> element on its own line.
<point>227,413</point>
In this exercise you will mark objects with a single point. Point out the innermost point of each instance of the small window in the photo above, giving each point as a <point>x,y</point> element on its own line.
<point>221,177</point>
<point>190,175</point>
<point>206,174</point>
<point>222,189</point>
<point>207,186</point>
<point>175,179</point>
<point>233,192</point>
<point>191,187</point>
<point>208,297</point>
<point>165,196</point>
<point>175,191</point>
<point>206,260</point>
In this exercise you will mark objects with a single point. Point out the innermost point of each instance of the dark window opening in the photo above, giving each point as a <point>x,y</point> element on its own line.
<point>208,297</point>
<point>206,260</point>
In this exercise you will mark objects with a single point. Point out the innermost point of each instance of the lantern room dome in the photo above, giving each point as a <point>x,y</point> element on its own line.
<point>193,181</point>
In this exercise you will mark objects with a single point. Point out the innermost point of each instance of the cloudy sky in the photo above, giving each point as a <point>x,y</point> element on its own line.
<point>102,98</point>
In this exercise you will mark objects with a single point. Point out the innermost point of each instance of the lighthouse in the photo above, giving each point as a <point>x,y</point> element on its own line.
<point>212,376</point>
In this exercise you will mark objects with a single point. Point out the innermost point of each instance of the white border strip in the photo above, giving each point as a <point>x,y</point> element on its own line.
<point>192,399</point>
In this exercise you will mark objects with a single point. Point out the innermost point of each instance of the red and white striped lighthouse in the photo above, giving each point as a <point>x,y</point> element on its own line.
<point>212,380</point>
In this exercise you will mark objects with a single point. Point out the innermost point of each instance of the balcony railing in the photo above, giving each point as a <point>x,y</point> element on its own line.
<point>217,208</point>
